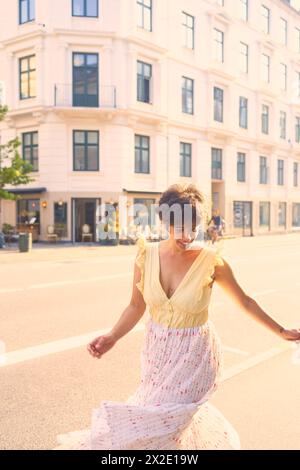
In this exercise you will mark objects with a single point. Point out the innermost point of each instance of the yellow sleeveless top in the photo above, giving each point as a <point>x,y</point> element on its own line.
<point>188,305</point>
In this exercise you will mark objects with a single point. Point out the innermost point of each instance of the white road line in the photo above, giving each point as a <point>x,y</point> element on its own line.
<point>255,360</point>
<point>34,352</point>
<point>63,283</point>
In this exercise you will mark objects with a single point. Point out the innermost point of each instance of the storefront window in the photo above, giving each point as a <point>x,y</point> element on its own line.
<point>28,213</point>
<point>144,211</point>
<point>60,218</point>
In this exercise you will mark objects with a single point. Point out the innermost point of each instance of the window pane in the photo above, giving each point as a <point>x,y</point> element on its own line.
<point>93,158</point>
<point>93,137</point>
<point>92,85</point>
<point>27,154</point>
<point>24,86</point>
<point>24,64</point>
<point>91,8</point>
<point>79,81</point>
<point>23,12</point>
<point>147,19</point>
<point>27,138</point>
<point>32,85</point>
<point>92,60</point>
<point>31,9</point>
<point>32,62</point>
<point>79,137</point>
<point>79,157</point>
<point>35,138</point>
<point>78,60</point>
<point>78,7</point>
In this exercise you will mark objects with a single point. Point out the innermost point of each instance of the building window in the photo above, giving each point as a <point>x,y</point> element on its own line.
<point>145,14</point>
<point>297,40</point>
<point>265,14</point>
<point>187,95</point>
<point>60,218</point>
<point>85,80</point>
<point>283,77</point>
<point>296,214</point>
<point>264,214</point>
<point>282,214</point>
<point>282,124</point>
<point>218,104</point>
<point>185,159</point>
<point>30,149</point>
<point>218,45</point>
<point>244,9</point>
<point>244,57</point>
<point>265,119</point>
<point>26,11</point>
<point>85,150</point>
<point>280,172</point>
<point>263,170</point>
<point>28,211</point>
<point>188,26</point>
<point>265,65</point>
<point>216,163</point>
<point>283,31</point>
<point>142,154</point>
<point>297,129</point>
<point>88,8</point>
<point>144,212</point>
<point>243,112</point>
<point>295,173</point>
<point>144,77</point>
<point>241,166</point>
<point>27,77</point>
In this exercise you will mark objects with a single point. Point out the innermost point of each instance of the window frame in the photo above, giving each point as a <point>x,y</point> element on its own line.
<point>86,145</point>
<point>85,15</point>
<point>32,146</point>
<point>138,163</point>
<point>30,20</point>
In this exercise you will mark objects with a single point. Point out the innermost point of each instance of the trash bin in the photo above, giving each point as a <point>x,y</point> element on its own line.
<point>25,242</point>
<point>2,240</point>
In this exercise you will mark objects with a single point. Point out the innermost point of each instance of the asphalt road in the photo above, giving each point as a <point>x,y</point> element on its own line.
<point>54,300</point>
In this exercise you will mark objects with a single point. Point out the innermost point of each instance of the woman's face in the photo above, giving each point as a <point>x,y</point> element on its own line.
<point>183,236</point>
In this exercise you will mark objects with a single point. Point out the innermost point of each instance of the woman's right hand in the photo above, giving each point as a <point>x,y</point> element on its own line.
<point>101,345</point>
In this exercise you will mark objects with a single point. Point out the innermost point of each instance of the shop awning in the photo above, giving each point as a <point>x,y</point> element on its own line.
<point>141,192</point>
<point>27,190</point>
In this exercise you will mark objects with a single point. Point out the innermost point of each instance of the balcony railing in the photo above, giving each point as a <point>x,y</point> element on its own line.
<point>65,96</point>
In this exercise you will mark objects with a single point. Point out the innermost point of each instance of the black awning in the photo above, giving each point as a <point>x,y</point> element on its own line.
<point>141,192</point>
<point>27,190</point>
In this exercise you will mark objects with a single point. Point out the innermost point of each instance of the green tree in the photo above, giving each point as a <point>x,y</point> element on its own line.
<point>16,170</point>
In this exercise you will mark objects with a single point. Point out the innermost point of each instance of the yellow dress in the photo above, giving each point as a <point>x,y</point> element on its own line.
<point>181,363</point>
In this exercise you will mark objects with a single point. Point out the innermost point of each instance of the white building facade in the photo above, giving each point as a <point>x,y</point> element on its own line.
<point>118,98</point>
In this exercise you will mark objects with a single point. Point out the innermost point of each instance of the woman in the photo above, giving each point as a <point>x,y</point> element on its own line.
<point>181,361</point>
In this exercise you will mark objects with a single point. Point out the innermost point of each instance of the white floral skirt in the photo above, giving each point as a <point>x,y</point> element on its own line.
<point>180,370</point>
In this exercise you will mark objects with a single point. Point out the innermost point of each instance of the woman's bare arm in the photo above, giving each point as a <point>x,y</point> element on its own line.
<point>128,319</point>
<point>133,312</point>
<point>224,276</point>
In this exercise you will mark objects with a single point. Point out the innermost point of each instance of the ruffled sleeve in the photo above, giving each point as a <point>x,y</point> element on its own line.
<point>215,260</point>
<point>140,261</point>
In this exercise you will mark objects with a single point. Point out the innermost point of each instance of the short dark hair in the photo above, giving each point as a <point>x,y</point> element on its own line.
<point>180,196</point>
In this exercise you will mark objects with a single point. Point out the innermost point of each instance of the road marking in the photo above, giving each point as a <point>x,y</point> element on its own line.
<point>255,360</point>
<point>34,352</point>
<point>64,283</point>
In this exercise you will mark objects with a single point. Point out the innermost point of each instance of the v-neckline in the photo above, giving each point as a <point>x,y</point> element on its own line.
<point>183,278</point>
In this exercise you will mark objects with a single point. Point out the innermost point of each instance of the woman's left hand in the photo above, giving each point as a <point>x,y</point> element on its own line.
<point>291,335</point>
